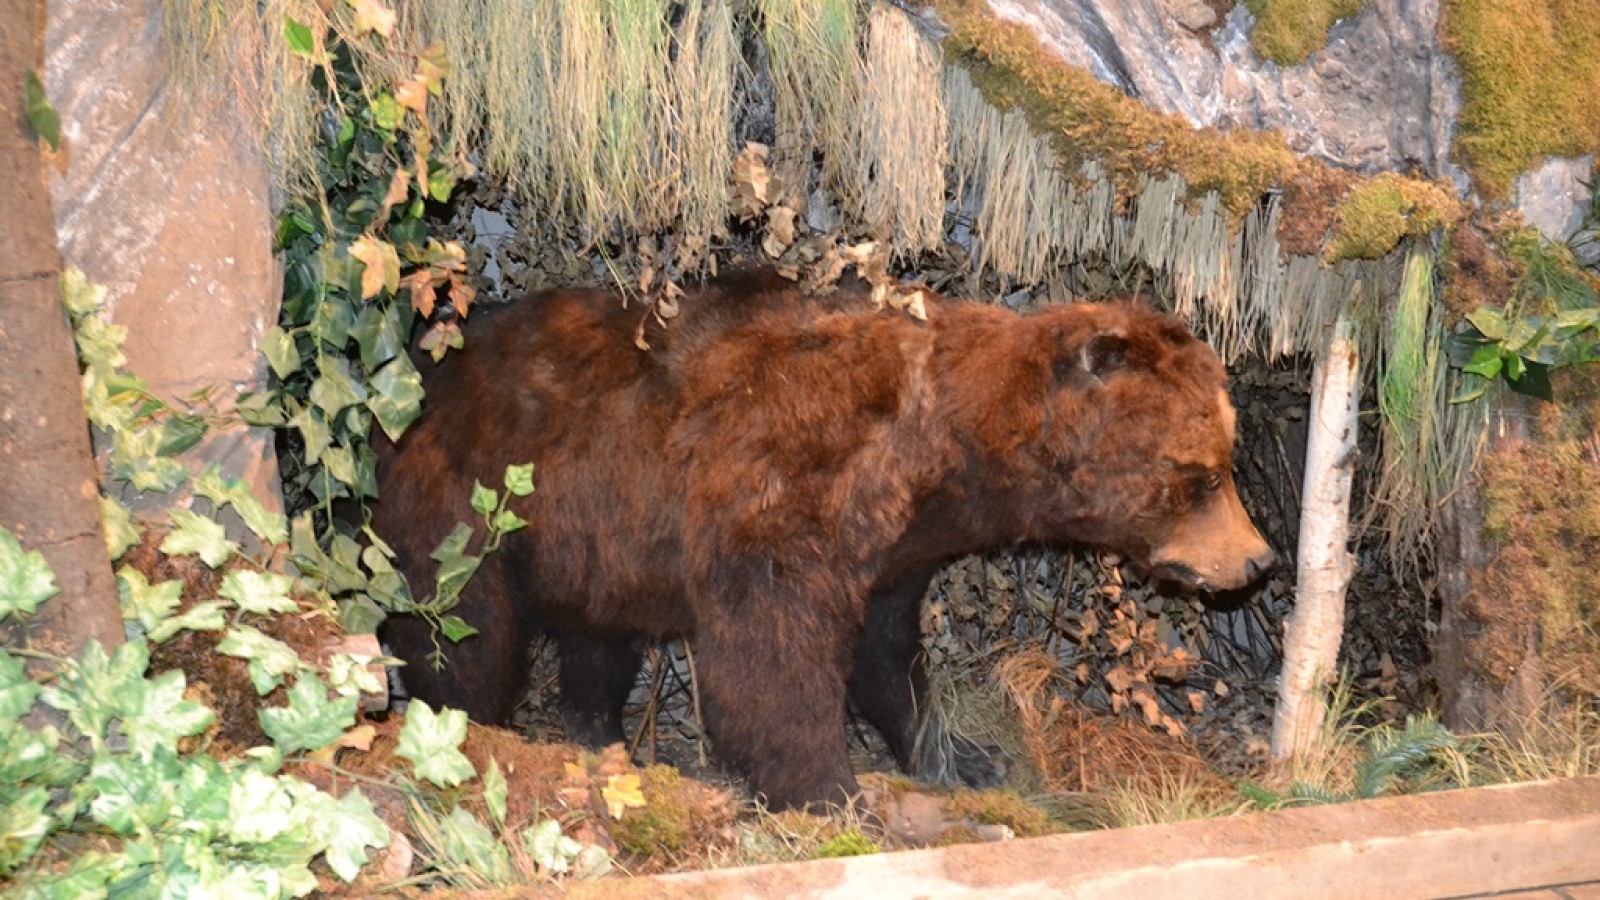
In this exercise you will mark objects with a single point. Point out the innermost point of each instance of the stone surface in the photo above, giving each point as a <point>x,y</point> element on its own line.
<point>1446,844</point>
<point>1380,96</point>
<point>1555,197</point>
<point>171,212</point>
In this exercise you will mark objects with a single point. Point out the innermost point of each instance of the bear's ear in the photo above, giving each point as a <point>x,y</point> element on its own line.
<point>1103,355</point>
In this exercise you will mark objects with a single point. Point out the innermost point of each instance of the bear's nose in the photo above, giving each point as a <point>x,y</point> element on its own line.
<point>1254,567</point>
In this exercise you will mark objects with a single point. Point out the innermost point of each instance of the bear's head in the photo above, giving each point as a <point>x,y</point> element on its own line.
<point>1131,448</point>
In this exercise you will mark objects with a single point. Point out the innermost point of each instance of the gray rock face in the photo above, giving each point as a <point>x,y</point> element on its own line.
<point>1380,96</point>
<point>172,215</point>
<point>1554,197</point>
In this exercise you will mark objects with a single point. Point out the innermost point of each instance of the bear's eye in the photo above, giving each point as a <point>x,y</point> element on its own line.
<point>1214,482</point>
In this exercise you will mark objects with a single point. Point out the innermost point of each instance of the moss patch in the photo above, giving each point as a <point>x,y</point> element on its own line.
<point>1379,213</point>
<point>1289,31</point>
<point>1540,503</point>
<point>1088,120</point>
<point>1530,71</point>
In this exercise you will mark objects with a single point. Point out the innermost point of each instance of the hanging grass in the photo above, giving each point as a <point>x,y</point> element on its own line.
<point>816,80</point>
<point>904,141</point>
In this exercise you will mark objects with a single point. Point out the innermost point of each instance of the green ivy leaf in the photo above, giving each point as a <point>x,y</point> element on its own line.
<point>1491,322</point>
<point>261,593</point>
<point>226,490</point>
<point>396,398</point>
<point>133,795</point>
<point>157,715</point>
<point>91,691</point>
<point>29,756</point>
<point>259,808</point>
<point>197,535</point>
<point>464,841</point>
<point>348,826</point>
<point>298,37</point>
<point>350,674</point>
<point>87,876</point>
<point>441,182</point>
<point>270,659</point>
<point>1486,362</point>
<point>376,337</point>
<point>360,614</point>
<point>17,690</point>
<point>314,433</point>
<point>387,113</point>
<point>117,521</point>
<point>311,721</point>
<point>42,117</point>
<point>79,295</point>
<point>146,603</point>
<point>205,616</point>
<point>179,433</point>
<point>23,827</point>
<point>519,479</point>
<point>455,564</point>
<point>335,389</point>
<point>278,347</point>
<point>25,578</point>
<point>431,742</point>
<point>548,847</point>
<point>261,408</point>
<point>495,791</point>
<point>484,500</point>
<point>456,628</point>
<point>507,521</point>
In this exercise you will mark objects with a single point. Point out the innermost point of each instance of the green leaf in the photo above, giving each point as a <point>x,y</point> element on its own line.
<point>194,534</point>
<point>278,347</point>
<point>359,614</point>
<point>42,117</point>
<point>507,521</point>
<point>466,842</point>
<point>179,433</point>
<point>376,337</point>
<point>1486,362</point>
<point>310,721</point>
<point>519,479</point>
<point>133,795</point>
<point>495,791</point>
<point>455,564</point>
<point>79,295</point>
<point>117,521</point>
<point>23,827</point>
<point>91,690</point>
<point>441,182</point>
<point>17,690</point>
<point>431,742</point>
<point>258,808</point>
<point>270,659</point>
<point>25,578</point>
<point>336,389</point>
<point>158,715</point>
<point>387,113</point>
<point>298,38</point>
<point>261,593</point>
<point>261,408</point>
<point>351,675</point>
<point>331,323</point>
<point>348,827</point>
<point>1514,367</point>
<point>205,616</point>
<point>225,490</point>
<point>146,603</point>
<point>1491,322</point>
<point>548,847</point>
<point>484,500</point>
<point>1535,382</point>
<point>456,628</point>
<point>396,398</point>
<point>314,433</point>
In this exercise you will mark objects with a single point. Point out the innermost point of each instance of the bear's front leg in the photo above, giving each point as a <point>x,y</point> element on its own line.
<point>595,678</point>
<point>772,688</point>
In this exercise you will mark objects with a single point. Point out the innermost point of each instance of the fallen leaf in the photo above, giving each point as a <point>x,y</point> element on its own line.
<point>372,15</point>
<point>622,792</point>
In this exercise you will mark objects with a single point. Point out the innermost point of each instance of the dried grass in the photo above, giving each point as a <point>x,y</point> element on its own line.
<point>903,148</point>
<point>816,79</point>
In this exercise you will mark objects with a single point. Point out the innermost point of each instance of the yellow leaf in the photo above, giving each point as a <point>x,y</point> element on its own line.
<point>372,15</point>
<point>382,264</point>
<point>622,792</point>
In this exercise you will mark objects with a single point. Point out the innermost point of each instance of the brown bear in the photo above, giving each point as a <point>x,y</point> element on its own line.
<point>777,480</point>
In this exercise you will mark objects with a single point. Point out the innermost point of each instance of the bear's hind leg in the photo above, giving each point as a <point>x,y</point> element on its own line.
<point>596,675</point>
<point>889,687</point>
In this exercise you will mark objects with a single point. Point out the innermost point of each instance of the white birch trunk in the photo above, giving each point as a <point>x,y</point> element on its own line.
<point>1313,631</point>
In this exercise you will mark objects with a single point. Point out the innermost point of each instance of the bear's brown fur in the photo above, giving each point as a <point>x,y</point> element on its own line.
<point>777,480</point>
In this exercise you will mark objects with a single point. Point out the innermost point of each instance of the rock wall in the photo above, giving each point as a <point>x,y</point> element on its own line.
<point>1379,97</point>
<point>169,208</point>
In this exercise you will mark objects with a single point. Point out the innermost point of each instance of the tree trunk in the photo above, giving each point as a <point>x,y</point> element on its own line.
<point>1313,631</point>
<point>49,492</point>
